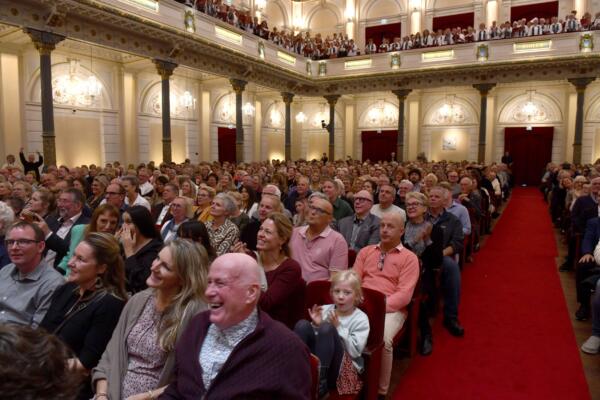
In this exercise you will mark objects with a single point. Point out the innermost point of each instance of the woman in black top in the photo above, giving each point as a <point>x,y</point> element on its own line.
<point>85,310</point>
<point>141,244</point>
<point>426,241</point>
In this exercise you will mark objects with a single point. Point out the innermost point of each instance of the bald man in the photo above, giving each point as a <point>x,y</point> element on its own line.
<point>362,228</point>
<point>393,270</point>
<point>319,249</point>
<point>234,350</point>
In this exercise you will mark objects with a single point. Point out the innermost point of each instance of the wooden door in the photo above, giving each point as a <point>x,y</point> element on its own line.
<point>531,150</point>
<point>378,146</point>
<point>226,144</point>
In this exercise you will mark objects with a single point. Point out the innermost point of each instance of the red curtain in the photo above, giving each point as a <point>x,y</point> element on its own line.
<point>377,33</point>
<point>453,21</point>
<point>226,144</point>
<point>378,146</point>
<point>530,150</point>
<point>530,11</point>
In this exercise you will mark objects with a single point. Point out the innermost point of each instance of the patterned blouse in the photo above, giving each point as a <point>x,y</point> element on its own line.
<point>146,358</point>
<point>223,237</point>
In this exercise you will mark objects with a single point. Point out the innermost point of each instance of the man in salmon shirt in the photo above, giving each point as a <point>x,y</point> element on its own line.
<point>393,270</point>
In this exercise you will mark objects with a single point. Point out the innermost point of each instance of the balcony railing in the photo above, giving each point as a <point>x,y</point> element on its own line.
<point>189,21</point>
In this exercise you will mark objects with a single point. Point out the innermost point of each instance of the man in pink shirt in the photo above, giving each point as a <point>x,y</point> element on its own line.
<point>319,249</point>
<point>393,270</point>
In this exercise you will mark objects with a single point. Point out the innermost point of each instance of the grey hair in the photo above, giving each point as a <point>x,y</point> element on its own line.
<point>228,202</point>
<point>319,195</point>
<point>7,217</point>
<point>407,182</point>
<point>275,189</point>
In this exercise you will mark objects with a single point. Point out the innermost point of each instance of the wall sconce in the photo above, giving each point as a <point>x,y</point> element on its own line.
<point>189,22</point>
<point>483,52</point>
<point>322,68</point>
<point>349,14</point>
<point>415,5</point>
<point>260,4</point>
<point>248,109</point>
<point>586,43</point>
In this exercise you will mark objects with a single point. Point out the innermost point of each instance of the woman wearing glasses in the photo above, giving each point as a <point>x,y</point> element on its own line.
<point>139,360</point>
<point>85,310</point>
<point>426,241</point>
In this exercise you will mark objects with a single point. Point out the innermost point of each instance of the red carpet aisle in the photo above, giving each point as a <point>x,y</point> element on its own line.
<point>519,343</point>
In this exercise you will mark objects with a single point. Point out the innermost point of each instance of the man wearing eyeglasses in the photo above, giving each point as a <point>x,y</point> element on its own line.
<point>362,228</point>
<point>27,284</point>
<point>319,249</point>
<point>393,270</point>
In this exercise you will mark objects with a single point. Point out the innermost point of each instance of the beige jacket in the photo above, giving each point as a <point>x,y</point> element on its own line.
<point>114,361</point>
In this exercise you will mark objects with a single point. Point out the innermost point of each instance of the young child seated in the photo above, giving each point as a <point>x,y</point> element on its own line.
<point>337,335</point>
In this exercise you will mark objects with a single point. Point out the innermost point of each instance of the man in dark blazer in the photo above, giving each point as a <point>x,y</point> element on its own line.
<point>362,228</point>
<point>160,214</point>
<point>587,271</point>
<point>234,350</point>
<point>57,229</point>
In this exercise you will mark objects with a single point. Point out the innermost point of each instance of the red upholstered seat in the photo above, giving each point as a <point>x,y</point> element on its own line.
<point>351,257</point>
<point>405,340</point>
<point>317,292</point>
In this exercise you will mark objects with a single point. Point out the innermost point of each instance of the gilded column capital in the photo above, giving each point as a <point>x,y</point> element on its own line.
<point>164,68</point>
<point>238,85</point>
<point>484,88</point>
<point>402,93</point>
<point>581,83</point>
<point>44,41</point>
<point>332,99</point>
<point>287,97</point>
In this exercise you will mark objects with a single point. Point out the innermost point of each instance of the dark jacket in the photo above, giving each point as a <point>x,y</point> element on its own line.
<point>248,235</point>
<point>137,267</point>
<point>591,237</point>
<point>368,232</point>
<point>584,208</point>
<point>87,331</point>
<point>58,245</point>
<point>32,166</point>
<point>4,258</point>
<point>452,230</point>
<point>270,363</point>
<point>290,202</point>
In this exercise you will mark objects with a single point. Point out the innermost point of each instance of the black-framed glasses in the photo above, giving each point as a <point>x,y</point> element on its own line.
<point>411,205</point>
<point>20,242</point>
<point>362,199</point>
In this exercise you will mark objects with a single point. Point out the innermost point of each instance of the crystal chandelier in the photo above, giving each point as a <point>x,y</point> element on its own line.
<point>74,90</point>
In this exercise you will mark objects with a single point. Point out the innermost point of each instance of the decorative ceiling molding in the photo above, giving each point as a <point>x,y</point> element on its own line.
<point>95,22</point>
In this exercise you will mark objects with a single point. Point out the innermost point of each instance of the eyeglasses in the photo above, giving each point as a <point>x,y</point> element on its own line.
<point>362,199</point>
<point>113,193</point>
<point>19,242</point>
<point>412,205</point>
<point>319,210</point>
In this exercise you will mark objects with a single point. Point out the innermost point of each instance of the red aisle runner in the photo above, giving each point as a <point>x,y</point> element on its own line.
<point>519,343</point>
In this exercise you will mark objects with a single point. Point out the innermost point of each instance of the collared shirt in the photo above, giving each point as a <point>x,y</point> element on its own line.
<point>326,252</point>
<point>62,232</point>
<point>139,201</point>
<point>393,273</point>
<point>218,345</point>
<point>462,214</point>
<point>378,211</point>
<point>146,188</point>
<point>24,300</point>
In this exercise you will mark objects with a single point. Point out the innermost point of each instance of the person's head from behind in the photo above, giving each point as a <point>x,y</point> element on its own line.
<point>34,365</point>
<point>97,263</point>
<point>104,219</point>
<point>179,272</point>
<point>391,228</point>
<point>196,232</point>
<point>233,289</point>
<point>274,234</point>
<point>346,291</point>
<point>139,220</point>
<point>25,245</point>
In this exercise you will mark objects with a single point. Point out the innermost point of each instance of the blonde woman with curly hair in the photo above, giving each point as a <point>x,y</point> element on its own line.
<point>139,359</point>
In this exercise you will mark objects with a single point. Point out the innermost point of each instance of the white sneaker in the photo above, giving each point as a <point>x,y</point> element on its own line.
<point>592,345</point>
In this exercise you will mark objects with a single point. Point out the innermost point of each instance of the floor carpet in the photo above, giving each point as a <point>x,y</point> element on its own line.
<point>519,343</point>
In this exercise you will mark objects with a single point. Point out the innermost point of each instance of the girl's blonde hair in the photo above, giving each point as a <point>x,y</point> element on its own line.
<point>353,279</point>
